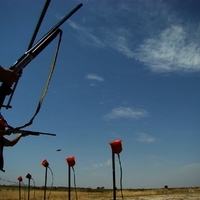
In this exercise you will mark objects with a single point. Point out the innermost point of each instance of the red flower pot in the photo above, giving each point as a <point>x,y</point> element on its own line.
<point>20,179</point>
<point>45,163</point>
<point>116,146</point>
<point>71,161</point>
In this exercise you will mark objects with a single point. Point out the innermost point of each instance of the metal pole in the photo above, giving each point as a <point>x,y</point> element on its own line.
<point>19,190</point>
<point>29,188</point>
<point>45,185</point>
<point>69,182</point>
<point>38,24</point>
<point>113,170</point>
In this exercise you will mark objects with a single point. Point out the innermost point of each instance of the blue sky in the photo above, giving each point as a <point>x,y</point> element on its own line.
<point>126,70</point>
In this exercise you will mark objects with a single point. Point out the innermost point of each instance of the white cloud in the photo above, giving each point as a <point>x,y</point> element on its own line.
<point>94,77</point>
<point>126,112</point>
<point>86,36</point>
<point>153,35</point>
<point>98,165</point>
<point>93,85</point>
<point>119,40</point>
<point>171,50</point>
<point>143,137</point>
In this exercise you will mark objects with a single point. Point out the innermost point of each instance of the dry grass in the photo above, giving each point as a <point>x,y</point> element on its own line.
<point>12,193</point>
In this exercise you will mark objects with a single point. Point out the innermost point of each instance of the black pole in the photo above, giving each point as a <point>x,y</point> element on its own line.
<point>69,182</point>
<point>113,170</point>
<point>39,24</point>
<point>62,20</point>
<point>45,184</point>
<point>19,190</point>
<point>29,188</point>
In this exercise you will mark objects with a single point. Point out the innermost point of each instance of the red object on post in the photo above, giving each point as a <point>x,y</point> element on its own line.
<point>28,176</point>
<point>45,163</point>
<point>20,179</point>
<point>71,161</point>
<point>116,146</point>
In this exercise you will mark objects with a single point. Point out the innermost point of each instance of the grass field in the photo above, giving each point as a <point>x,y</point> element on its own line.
<point>12,193</point>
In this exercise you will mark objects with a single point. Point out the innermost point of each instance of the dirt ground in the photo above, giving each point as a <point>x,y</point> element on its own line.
<point>12,193</point>
<point>166,197</point>
<point>175,194</point>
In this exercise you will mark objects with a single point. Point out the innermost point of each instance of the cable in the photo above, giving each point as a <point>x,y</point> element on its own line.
<point>51,182</point>
<point>34,187</point>
<point>75,183</point>
<point>24,190</point>
<point>120,176</point>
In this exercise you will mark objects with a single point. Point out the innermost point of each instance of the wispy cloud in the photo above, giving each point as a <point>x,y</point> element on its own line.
<point>126,112</point>
<point>93,85</point>
<point>86,35</point>
<point>153,35</point>
<point>144,137</point>
<point>94,77</point>
<point>98,165</point>
<point>120,42</point>
<point>171,50</point>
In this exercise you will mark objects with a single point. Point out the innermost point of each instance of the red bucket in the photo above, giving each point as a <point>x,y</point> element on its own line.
<point>116,146</point>
<point>45,163</point>
<point>71,161</point>
<point>20,179</point>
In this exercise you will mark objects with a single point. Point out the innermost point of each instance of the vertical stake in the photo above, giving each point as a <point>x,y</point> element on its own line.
<point>113,170</point>
<point>46,165</point>
<point>28,176</point>
<point>69,182</point>
<point>45,185</point>
<point>20,180</point>
<point>116,147</point>
<point>19,190</point>
<point>71,162</point>
<point>29,188</point>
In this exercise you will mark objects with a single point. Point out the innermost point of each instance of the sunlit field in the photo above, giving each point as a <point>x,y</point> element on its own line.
<point>12,193</point>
